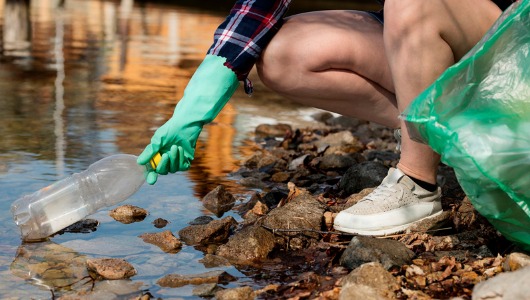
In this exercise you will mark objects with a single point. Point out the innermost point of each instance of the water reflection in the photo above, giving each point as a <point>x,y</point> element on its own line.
<point>84,79</point>
<point>51,266</point>
<point>61,270</point>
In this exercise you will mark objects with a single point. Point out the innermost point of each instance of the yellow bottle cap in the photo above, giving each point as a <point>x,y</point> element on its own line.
<point>155,160</point>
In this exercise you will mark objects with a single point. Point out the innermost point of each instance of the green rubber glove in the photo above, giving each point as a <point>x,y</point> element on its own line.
<point>206,94</point>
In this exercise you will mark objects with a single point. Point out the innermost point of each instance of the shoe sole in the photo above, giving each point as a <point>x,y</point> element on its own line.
<point>385,231</point>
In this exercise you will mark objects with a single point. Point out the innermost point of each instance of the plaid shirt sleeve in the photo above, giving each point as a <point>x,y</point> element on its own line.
<point>246,32</point>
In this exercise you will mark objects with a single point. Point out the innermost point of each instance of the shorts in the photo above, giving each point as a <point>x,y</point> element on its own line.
<point>379,15</point>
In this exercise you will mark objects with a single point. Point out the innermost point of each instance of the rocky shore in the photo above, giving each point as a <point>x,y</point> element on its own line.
<point>285,243</point>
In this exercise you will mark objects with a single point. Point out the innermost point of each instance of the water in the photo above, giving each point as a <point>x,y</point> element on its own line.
<point>87,79</point>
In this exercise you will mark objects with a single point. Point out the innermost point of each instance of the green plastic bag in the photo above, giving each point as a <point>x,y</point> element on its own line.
<point>476,115</point>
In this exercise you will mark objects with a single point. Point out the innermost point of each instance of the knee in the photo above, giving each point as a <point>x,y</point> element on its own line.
<point>276,63</point>
<point>405,19</point>
<point>280,62</point>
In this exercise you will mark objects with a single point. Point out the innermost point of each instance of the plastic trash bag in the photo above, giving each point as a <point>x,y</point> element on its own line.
<point>476,115</point>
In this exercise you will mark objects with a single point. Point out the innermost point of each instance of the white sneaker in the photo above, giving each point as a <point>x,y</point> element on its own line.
<point>392,207</point>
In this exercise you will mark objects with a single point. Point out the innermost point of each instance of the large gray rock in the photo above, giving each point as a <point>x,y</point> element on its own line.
<point>302,212</point>
<point>215,231</point>
<point>510,285</point>
<point>364,249</point>
<point>250,246</point>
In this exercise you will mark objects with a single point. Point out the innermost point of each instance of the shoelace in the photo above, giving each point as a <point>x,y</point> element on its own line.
<point>381,193</point>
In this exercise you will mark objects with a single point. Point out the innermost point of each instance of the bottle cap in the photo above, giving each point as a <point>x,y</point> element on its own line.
<point>155,160</point>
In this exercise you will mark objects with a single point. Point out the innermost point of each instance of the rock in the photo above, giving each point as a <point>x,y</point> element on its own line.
<point>375,276</point>
<point>202,220</point>
<point>359,291</point>
<point>252,161</point>
<point>364,249</point>
<point>515,261</point>
<point>127,214</point>
<point>510,285</point>
<point>273,130</point>
<point>177,280</point>
<point>340,142</point>
<point>82,226</point>
<point>334,162</point>
<point>301,212</point>
<point>248,205</point>
<point>281,177</point>
<point>160,223</point>
<point>240,293</point>
<point>272,198</point>
<point>212,261</point>
<point>250,246</point>
<point>205,290</point>
<point>363,175</point>
<point>218,201</point>
<point>111,268</point>
<point>270,164</point>
<point>252,182</point>
<point>164,240</point>
<point>216,231</point>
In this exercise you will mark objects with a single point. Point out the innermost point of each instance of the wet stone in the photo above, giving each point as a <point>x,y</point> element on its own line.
<point>240,293</point>
<point>177,280</point>
<point>202,220</point>
<point>164,240</point>
<point>127,214</point>
<point>82,226</point>
<point>389,253</point>
<point>111,268</point>
<point>160,223</point>
<point>216,231</point>
<point>213,261</point>
<point>219,201</point>
<point>205,290</point>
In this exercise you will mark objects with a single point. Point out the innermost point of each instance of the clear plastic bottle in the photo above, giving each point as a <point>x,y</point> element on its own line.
<point>105,183</point>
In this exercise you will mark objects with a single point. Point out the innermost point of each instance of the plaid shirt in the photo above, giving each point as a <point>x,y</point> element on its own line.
<point>245,32</point>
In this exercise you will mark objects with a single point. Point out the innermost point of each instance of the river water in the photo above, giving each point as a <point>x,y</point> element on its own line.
<point>82,80</point>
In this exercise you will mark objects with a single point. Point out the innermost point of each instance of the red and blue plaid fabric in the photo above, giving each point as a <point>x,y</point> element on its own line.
<point>246,32</point>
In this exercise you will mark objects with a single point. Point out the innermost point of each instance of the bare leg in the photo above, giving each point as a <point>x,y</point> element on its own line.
<point>333,60</point>
<point>422,39</point>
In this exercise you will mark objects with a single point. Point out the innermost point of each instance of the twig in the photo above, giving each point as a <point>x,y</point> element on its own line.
<point>274,230</point>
